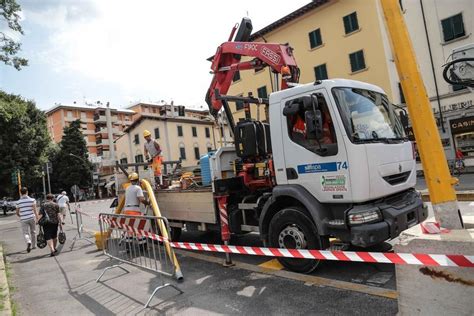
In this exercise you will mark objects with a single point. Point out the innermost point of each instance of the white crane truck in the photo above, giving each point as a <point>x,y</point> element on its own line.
<point>332,161</point>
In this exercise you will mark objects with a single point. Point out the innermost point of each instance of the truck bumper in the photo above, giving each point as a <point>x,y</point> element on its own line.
<point>399,213</point>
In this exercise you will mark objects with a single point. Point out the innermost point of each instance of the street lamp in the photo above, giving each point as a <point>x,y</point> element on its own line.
<point>92,168</point>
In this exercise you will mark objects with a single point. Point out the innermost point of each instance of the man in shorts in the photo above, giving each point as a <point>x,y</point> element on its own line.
<point>62,201</point>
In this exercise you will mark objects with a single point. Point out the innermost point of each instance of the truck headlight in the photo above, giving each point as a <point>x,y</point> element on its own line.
<point>364,217</point>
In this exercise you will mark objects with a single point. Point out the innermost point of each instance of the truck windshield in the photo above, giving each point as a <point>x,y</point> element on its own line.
<point>368,116</point>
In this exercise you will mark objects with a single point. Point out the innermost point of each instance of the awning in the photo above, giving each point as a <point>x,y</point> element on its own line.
<point>109,184</point>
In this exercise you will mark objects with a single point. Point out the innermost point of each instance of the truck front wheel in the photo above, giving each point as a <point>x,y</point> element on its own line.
<point>291,228</point>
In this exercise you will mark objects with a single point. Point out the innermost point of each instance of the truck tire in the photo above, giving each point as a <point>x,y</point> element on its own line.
<point>291,228</point>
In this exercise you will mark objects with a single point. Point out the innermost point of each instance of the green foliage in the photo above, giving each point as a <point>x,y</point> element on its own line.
<point>23,140</point>
<point>68,169</point>
<point>9,10</point>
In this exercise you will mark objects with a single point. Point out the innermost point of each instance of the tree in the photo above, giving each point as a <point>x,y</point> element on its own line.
<point>23,140</point>
<point>71,166</point>
<point>9,11</point>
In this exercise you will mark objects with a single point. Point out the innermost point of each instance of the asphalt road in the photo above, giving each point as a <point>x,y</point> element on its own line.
<point>362,274</point>
<point>65,285</point>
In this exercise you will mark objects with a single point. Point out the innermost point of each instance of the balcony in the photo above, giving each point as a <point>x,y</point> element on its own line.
<point>99,118</point>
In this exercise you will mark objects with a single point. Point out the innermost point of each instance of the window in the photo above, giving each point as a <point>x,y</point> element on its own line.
<point>208,132</point>
<point>320,72</point>
<point>453,27</point>
<point>137,139</point>
<point>157,132</point>
<point>262,92</point>
<point>236,76</point>
<point>402,96</point>
<point>357,61</point>
<point>182,153</point>
<point>350,23</point>
<point>196,153</point>
<point>327,145</point>
<point>180,131</point>
<point>83,115</point>
<point>194,131</point>
<point>138,158</point>
<point>315,38</point>
<point>123,161</point>
<point>69,114</point>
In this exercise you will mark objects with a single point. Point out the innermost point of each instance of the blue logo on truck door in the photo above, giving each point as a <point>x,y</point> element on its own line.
<point>322,167</point>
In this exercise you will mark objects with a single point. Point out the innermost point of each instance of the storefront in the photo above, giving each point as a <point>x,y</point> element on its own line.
<point>462,131</point>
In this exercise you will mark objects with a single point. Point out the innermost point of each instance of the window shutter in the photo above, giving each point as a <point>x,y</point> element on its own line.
<point>347,27</point>
<point>361,60</point>
<point>447,30</point>
<point>312,40</point>
<point>354,21</point>
<point>352,58</point>
<point>458,26</point>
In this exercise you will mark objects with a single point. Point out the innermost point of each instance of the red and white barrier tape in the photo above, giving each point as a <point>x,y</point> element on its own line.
<point>441,260</point>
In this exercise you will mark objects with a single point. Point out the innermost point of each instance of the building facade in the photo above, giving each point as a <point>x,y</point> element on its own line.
<point>182,138</point>
<point>348,39</point>
<point>331,39</point>
<point>93,125</point>
<point>436,28</point>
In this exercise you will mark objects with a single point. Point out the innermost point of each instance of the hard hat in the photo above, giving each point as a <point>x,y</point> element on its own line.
<point>133,176</point>
<point>63,193</point>
<point>146,133</point>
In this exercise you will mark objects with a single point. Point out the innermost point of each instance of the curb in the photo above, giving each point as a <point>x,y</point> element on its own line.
<point>4,290</point>
<point>463,196</point>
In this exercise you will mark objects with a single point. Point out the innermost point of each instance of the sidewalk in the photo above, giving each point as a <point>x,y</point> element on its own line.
<point>65,285</point>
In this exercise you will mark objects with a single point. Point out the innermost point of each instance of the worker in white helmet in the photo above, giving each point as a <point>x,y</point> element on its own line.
<point>134,196</point>
<point>153,155</point>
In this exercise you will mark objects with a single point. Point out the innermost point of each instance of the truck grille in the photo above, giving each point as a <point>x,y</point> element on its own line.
<point>397,178</point>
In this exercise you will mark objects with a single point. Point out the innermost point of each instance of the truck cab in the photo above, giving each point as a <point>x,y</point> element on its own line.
<point>342,164</point>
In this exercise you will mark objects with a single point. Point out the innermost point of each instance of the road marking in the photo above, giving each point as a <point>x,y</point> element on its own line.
<point>317,281</point>
<point>273,264</point>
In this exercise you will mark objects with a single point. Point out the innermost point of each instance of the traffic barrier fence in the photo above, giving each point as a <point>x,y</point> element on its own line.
<point>126,239</point>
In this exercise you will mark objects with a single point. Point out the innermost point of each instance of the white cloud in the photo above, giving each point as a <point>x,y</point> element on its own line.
<point>151,50</point>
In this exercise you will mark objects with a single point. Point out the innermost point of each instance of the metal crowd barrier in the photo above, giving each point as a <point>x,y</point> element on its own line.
<point>80,227</point>
<point>134,240</point>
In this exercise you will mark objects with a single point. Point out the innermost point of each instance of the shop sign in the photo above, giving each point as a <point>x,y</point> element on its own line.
<point>454,106</point>
<point>463,124</point>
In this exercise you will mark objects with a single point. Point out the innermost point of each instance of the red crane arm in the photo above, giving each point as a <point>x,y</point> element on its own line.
<point>226,61</point>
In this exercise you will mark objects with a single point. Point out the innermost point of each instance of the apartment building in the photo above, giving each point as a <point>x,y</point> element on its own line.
<point>331,39</point>
<point>436,28</point>
<point>348,39</point>
<point>93,125</point>
<point>185,138</point>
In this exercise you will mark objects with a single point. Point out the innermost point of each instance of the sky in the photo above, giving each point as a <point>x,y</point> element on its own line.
<point>125,52</point>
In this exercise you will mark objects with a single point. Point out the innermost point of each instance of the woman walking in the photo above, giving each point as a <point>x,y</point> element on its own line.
<point>51,209</point>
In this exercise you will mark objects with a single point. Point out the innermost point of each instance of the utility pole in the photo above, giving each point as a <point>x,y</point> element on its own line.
<point>44,185</point>
<point>435,167</point>
<point>48,167</point>
<point>112,159</point>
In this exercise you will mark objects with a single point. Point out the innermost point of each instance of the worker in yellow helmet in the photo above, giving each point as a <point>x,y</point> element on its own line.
<point>153,155</point>
<point>134,196</point>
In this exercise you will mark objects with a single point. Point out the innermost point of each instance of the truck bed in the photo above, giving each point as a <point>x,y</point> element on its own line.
<point>195,205</point>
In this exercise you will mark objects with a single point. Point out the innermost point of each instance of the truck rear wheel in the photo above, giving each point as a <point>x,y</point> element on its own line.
<point>291,228</point>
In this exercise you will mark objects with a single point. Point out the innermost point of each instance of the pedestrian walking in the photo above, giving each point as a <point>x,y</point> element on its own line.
<point>153,155</point>
<point>26,211</point>
<point>50,211</point>
<point>133,196</point>
<point>62,201</point>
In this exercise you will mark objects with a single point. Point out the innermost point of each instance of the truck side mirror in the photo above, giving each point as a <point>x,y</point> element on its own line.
<point>314,124</point>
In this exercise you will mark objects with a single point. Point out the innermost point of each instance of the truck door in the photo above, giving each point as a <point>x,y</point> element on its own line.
<point>319,165</point>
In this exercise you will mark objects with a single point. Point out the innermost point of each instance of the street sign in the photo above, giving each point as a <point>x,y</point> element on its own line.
<point>75,190</point>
